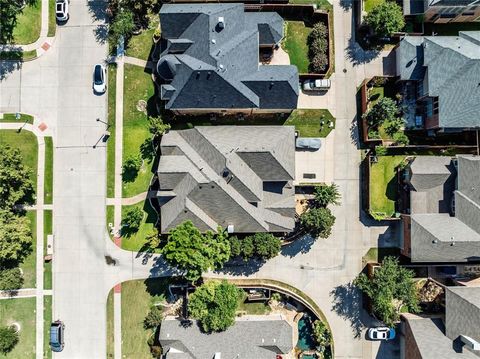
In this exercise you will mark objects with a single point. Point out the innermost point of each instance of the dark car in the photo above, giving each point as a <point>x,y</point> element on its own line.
<point>57,329</point>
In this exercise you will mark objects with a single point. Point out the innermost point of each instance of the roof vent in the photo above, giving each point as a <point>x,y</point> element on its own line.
<point>230,228</point>
<point>214,41</point>
<point>221,23</point>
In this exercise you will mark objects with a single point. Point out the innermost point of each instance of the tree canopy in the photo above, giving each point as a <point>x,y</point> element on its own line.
<point>16,187</point>
<point>385,110</point>
<point>214,305</point>
<point>318,221</point>
<point>385,18</point>
<point>122,25</point>
<point>190,250</point>
<point>262,245</point>
<point>327,194</point>
<point>157,127</point>
<point>15,237</point>
<point>9,11</point>
<point>11,278</point>
<point>8,339</point>
<point>391,288</point>
<point>132,218</point>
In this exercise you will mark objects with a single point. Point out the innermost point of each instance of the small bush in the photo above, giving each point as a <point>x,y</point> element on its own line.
<point>132,218</point>
<point>11,279</point>
<point>153,318</point>
<point>393,126</point>
<point>380,150</point>
<point>8,339</point>
<point>319,62</point>
<point>401,139</point>
<point>373,135</point>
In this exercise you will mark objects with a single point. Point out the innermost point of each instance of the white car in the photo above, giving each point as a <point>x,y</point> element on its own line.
<point>61,10</point>
<point>381,333</point>
<point>99,79</point>
<point>316,85</point>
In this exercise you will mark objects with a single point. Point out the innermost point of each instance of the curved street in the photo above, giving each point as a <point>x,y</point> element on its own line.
<point>57,89</point>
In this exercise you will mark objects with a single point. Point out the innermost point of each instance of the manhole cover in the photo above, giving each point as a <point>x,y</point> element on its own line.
<point>142,106</point>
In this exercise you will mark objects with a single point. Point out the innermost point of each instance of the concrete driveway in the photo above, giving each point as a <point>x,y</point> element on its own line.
<point>315,163</point>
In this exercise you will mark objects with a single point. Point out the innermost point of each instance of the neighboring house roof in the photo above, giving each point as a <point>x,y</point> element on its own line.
<point>462,312</point>
<point>430,341</point>
<point>228,175</point>
<point>439,237</point>
<point>453,74</point>
<point>259,337</point>
<point>211,59</point>
<point>432,184</point>
<point>414,7</point>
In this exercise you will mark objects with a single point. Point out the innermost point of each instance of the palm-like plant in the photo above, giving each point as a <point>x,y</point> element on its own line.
<point>327,194</point>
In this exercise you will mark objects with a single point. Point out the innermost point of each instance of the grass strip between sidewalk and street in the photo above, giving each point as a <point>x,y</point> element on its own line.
<point>47,266</point>
<point>10,117</point>
<point>111,93</point>
<point>110,328</point>
<point>48,195</point>
<point>47,320</point>
<point>52,21</point>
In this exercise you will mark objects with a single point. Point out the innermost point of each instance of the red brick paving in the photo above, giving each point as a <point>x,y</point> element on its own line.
<point>45,46</point>
<point>43,126</point>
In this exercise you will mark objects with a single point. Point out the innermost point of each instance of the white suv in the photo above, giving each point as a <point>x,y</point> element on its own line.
<point>61,10</point>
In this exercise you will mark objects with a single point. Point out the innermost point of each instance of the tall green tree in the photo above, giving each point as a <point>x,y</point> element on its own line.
<point>122,25</point>
<point>385,110</point>
<point>391,288</point>
<point>214,305</point>
<point>194,252</point>
<point>8,339</point>
<point>16,187</point>
<point>327,194</point>
<point>15,237</point>
<point>385,18</point>
<point>132,218</point>
<point>318,222</point>
<point>157,127</point>
<point>322,335</point>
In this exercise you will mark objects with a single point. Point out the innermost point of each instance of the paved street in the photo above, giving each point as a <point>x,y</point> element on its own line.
<point>57,89</point>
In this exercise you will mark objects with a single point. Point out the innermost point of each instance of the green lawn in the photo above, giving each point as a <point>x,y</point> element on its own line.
<point>10,117</point>
<point>47,266</point>
<point>29,23</point>
<point>137,298</point>
<point>18,55</point>
<point>370,4</point>
<point>140,45</point>
<point>377,255</point>
<point>47,320</point>
<point>48,196</point>
<point>52,22</point>
<point>26,142</point>
<point>309,122</point>
<point>321,4</point>
<point>138,86</point>
<point>112,91</point>
<point>135,241</point>
<point>383,186</point>
<point>295,44</point>
<point>29,263</point>
<point>110,329</point>
<point>22,311</point>
<point>254,308</point>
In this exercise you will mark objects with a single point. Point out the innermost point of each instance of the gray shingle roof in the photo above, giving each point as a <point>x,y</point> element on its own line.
<point>431,341</point>
<point>462,313</point>
<point>453,74</point>
<point>432,183</point>
<point>219,68</point>
<point>217,171</point>
<point>259,337</point>
<point>438,237</point>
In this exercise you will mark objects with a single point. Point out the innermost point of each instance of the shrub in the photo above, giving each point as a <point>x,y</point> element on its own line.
<point>380,150</point>
<point>266,245</point>
<point>132,218</point>
<point>401,139</point>
<point>11,279</point>
<point>318,221</point>
<point>385,18</point>
<point>8,339</point>
<point>393,126</point>
<point>153,318</point>
<point>373,135</point>
<point>383,111</point>
<point>327,194</point>
<point>321,334</point>
<point>318,47</point>
<point>130,167</point>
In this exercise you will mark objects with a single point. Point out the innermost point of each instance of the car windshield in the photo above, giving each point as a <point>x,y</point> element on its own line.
<point>98,75</point>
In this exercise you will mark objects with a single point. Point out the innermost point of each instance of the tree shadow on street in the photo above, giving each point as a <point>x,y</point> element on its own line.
<point>97,9</point>
<point>347,303</point>
<point>359,56</point>
<point>300,245</point>
<point>14,62</point>
<point>240,267</point>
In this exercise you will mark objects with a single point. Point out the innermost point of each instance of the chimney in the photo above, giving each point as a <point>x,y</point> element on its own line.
<point>221,23</point>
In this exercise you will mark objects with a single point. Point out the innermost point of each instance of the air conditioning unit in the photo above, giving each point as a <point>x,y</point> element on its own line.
<point>470,343</point>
